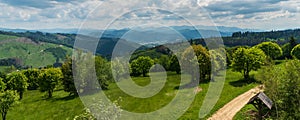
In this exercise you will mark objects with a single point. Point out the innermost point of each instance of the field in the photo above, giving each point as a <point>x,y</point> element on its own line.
<point>61,106</point>
<point>31,53</point>
<point>7,37</point>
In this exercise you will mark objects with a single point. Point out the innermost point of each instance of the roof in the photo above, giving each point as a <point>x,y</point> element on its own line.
<point>264,98</point>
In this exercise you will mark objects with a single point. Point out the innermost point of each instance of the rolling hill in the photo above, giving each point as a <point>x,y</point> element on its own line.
<point>24,52</point>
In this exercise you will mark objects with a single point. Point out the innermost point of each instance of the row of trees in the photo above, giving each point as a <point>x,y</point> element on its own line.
<point>196,55</point>
<point>16,83</point>
<point>242,59</point>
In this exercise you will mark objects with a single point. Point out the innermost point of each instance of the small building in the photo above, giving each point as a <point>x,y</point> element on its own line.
<point>261,101</point>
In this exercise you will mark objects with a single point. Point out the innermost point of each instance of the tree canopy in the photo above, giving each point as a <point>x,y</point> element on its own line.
<point>197,55</point>
<point>7,99</point>
<point>48,80</point>
<point>141,65</point>
<point>17,81</point>
<point>296,51</point>
<point>32,75</point>
<point>246,60</point>
<point>68,80</point>
<point>271,49</point>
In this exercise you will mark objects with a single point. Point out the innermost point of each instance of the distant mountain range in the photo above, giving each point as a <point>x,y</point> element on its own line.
<point>152,35</point>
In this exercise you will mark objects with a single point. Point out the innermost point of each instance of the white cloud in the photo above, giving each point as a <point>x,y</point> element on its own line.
<point>261,14</point>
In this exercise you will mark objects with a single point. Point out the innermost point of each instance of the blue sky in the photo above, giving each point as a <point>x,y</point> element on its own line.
<point>48,14</point>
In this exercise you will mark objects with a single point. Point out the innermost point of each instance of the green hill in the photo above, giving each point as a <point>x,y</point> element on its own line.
<point>21,52</point>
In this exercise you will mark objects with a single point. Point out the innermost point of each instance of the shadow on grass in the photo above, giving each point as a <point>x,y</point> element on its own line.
<point>67,98</point>
<point>243,82</point>
<point>192,84</point>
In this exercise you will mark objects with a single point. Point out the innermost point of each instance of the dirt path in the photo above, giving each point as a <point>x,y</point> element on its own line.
<point>228,111</point>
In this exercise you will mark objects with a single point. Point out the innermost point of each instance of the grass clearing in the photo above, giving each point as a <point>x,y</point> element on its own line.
<point>61,107</point>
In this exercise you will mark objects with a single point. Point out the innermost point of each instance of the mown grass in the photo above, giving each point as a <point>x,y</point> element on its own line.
<point>35,106</point>
<point>61,107</point>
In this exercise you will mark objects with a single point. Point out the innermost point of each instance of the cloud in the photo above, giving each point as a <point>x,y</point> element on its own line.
<point>40,4</point>
<point>71,13</point>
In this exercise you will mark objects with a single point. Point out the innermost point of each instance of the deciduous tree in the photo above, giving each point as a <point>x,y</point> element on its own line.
<point>271,49</point>
<point>17,81</point>
<point>7,100</point>
<point>32,75</point>
<point>141,65</point>
<point>246,60</point>
<point>296,51</point>
<point>48,80</point>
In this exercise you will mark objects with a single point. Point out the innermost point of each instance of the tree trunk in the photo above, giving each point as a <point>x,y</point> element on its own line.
<point>49,93</point>
<point>4,115</point>
<point>144,74</point>
<point>21,95</point>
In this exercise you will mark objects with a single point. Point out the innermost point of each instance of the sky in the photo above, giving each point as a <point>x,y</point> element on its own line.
<point>103,14</point>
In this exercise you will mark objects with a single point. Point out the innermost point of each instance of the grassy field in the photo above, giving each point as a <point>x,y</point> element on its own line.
<point>7,37</point>
<point>35,106</point>
<point>31,54</point>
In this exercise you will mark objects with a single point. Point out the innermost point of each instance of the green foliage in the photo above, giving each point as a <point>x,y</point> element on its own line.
<point>218,57</point>
<point>246,60</point>
<point>282,85</point>
<point>174,64</point>
<point>271,49</point>
<point>164,61</point>
<point>103,72</point>
<point>202,59</point>
<point>2,85</point>
<point>229,53</point>
<point>118,68</point>
<point>7,100</point>
<point>296,51</point>
<point>286,51</point>
<point>141,65</point>
<point>48,80</point>
<point>17,81</point>
<point>83,71</point>
<point>67,80</point>
<point>32,75</point>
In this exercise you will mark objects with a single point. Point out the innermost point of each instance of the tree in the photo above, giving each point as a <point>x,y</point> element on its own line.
<point>48,80</point>
<point>118,68</point>
<point>296,52</point>
<point>246,60</point>
<point>293,42</point>
<point>68,80</point>
<point>141,65</point>
<point>174,64</point>
<point>164,61</point>
<point>103,72</point>
<point>2,85</point>
<point>135,69</point>
<point>271,49</point>
<point>32,75</point>
<point>83,69</point>
<point>201,57</point>
<point>286,51</point>
<point>7,99</point>
<point>282,87</point>
<point>17,81</point>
